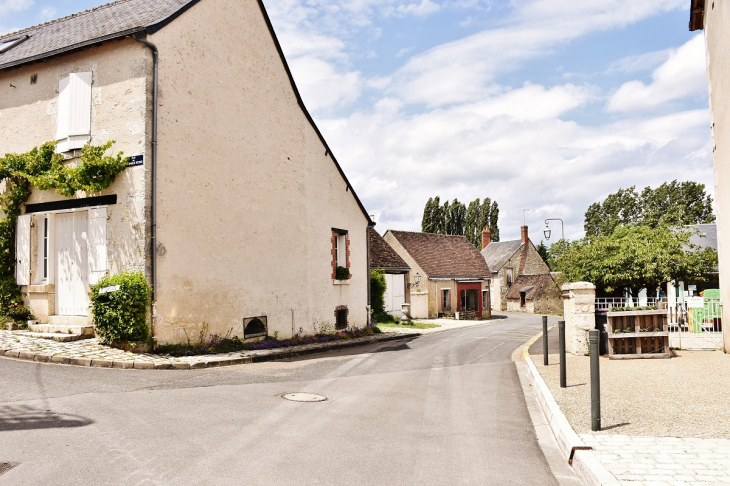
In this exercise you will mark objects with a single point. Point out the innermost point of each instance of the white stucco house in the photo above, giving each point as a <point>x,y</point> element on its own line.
<point>233,205</point>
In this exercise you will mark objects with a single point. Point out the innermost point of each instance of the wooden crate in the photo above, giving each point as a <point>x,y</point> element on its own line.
<point>647,335</point>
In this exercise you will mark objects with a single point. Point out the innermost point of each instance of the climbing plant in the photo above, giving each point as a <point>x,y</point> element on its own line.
<point>43,168</point>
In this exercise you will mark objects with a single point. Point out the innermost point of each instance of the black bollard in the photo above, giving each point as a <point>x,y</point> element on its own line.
<point>593,339</point>
<point>561,334</point>
<point>544,340</point>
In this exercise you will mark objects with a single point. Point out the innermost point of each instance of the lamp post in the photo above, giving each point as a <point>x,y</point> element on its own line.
<point>547,231</point>
<point>416,279</point>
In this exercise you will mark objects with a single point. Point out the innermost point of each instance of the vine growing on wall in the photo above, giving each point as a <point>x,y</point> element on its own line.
<point>43,168</point>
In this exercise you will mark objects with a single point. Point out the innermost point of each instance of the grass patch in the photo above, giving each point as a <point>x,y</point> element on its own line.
<point>415,325</point>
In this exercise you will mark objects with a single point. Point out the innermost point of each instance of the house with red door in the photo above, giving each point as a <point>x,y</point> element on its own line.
<point>448,277</point>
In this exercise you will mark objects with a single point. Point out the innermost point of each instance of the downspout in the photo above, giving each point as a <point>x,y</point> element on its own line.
<point>367,249</point>
<point>153,170</point>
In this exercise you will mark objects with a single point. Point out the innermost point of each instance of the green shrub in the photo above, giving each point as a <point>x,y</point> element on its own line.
<point>377,295</point>
<point>7,323</point>
<point>121,315</point>
<point>342,273</point>
<point>19,312</point>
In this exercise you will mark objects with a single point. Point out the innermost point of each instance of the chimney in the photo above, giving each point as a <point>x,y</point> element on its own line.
<point>486,237</point>
<point>525,238</point>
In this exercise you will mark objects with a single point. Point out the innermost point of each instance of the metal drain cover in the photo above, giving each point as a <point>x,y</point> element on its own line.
<point>303,397</point>
<point>7,466</point>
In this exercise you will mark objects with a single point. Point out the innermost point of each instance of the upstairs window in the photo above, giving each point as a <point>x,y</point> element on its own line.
<point>74,112</point>
<point>340,254</point>
<point>12,42</point>
<point>509,276</point>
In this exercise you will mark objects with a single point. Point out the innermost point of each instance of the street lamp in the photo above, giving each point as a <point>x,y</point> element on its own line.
<point>417,279</point>
<point>547,230</point>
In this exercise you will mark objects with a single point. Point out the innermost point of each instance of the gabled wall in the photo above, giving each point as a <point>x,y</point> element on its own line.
<point>247,195</point>
<point>717,37</point>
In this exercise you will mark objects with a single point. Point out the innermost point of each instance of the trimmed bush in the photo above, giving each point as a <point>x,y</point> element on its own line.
<point>121,315</point>
<point>377,295</point>
<point>342,273</point>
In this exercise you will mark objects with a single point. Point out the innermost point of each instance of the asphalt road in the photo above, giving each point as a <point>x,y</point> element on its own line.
<point>441,409</point>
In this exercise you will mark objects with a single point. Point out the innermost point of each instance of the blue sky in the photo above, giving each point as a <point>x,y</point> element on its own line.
<point>530,103</point>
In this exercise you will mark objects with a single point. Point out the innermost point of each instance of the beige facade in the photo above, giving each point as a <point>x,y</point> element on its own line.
<point>717,38</point>
<point>121,75</point>
<point>249,196</point>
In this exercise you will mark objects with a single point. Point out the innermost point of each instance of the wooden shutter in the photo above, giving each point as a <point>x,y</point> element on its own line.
<point>63,108</point>
<point>79,114</point>
<point>22,250</point>
<point>97,245</point>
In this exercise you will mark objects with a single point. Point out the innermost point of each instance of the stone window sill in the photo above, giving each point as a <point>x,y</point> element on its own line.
<point>340,282</point>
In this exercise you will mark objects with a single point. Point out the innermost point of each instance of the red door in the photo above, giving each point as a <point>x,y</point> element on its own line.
<point>470,297</point>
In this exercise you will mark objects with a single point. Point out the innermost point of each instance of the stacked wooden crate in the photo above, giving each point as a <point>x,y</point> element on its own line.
<point>647,335</point>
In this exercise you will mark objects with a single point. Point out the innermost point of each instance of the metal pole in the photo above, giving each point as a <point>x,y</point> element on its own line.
<point>593,338</point>
<point>561,333</point>
<point>544,340</point>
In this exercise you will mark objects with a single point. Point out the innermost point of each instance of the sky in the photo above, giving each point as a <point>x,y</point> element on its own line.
<point>538,104</point>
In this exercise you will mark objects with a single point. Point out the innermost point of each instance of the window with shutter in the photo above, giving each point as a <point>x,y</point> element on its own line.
<point>22,250</point>
<point>97,244</point>
<point>74,112</point>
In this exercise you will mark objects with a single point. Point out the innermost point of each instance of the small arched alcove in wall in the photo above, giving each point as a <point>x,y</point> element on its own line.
<point>254,327</point>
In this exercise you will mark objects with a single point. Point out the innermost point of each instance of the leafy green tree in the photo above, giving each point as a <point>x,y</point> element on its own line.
<point>634,257</point>
<point>672,203</point>
<point>455,218</point>
<point>377,295</point>
<point>471,227</point>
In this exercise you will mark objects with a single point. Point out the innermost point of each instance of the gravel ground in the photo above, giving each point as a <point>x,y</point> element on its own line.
<point>685,396</point>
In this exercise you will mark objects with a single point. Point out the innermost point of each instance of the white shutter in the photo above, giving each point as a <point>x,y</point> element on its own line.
<point>79,119</point>
<point>388,294</point>
<point>63,107</point>
<point>97,244</point>
<point>22,250</point>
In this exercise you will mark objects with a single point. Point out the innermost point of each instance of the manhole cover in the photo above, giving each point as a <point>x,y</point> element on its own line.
<point>304,397</point>
<point>6,466</point>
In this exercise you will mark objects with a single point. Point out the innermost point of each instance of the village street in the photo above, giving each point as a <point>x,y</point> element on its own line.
<point>444,408</point>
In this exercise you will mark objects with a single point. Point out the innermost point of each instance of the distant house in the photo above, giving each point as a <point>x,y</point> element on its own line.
<point>233,205</point>
<point>535,294</point>
<point>382,256</point>
<point>705,237</point>
<point>448,273</point>
<point>515,266</point>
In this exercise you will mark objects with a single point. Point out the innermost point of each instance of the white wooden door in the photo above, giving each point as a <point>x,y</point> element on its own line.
<point>22,250</point>
<point>72,264</point>
<point>398,292</point>
<point>388,295</point>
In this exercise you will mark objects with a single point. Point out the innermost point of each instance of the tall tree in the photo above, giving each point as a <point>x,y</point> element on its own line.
<point>427,219</point>
<point>542,249</point>
<point>672,203</point>
<point>471,226</point>
<point>457,218</point>
<point>493,220</point>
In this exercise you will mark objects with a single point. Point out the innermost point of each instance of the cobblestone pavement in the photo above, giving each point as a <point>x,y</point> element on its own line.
<point>89,352</point>
<point>665,461</point>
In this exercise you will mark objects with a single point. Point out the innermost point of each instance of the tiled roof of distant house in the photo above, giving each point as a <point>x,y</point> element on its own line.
<point>109,21</point>
<point>443,256</point>
<point>498,253</point>
<point>530,284</point>
<point>382,255</point>
<point>707,236</point>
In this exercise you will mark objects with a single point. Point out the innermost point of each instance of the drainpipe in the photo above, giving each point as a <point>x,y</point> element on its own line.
<point>153,162</point>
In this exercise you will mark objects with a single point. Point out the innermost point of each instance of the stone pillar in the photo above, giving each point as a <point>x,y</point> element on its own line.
<point>579,311</point>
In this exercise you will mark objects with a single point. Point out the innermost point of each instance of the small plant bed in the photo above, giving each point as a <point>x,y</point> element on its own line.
<point>637,334</point>
<point>403,325</point>
<point>216,343</point>
<point>629,309</point>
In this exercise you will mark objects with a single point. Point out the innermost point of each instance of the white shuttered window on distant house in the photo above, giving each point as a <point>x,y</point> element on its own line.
<point>22,250</point>
<point>97,244</point>
<point>74,112</point>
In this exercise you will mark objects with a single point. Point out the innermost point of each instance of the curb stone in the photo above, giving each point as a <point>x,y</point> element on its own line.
<point>585,463</point>
<point>207,362</point>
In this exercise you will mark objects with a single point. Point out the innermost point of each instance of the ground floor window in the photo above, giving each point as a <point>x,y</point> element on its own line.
<point>445,300</point>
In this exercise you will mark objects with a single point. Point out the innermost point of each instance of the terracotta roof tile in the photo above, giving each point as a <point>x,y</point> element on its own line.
<point>382,255</point>
<point>443,255</point>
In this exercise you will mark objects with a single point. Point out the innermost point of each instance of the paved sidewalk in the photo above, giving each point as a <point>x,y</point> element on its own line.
<point>89,352</point>
<point>665,461</point>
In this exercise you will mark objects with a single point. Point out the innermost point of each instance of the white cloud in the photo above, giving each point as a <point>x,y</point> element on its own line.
<point>48,13</point>
<point>7,10</point>
<point>422,9</point>
<point>462,70</point>
<point>639,63</point>
<point>322,86</point>
<point>682,75</point>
